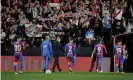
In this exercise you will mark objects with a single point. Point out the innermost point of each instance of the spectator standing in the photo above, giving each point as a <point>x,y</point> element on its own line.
<point>118,28</point>
<point>118,14</point>
<point>107,27</point>
<point>105,10</point>
<point>3,34</point>
<point>30,11</point>
<point>22,19</point>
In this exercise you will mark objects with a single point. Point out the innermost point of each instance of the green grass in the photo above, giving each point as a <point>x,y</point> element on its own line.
<point>66,76</point>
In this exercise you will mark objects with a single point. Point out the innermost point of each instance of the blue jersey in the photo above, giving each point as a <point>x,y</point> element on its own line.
<point>70,50</point>
<point>118,49</point>
<point>46,48</point>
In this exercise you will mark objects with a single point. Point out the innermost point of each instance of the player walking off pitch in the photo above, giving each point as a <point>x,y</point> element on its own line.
<point>70,53</point>
<point>18,54</point>
<point>98,49</point>
<point>119,51</point>
<point>47,51</point>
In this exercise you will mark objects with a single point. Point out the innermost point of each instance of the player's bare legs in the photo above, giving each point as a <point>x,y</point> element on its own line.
<point>15,67</point>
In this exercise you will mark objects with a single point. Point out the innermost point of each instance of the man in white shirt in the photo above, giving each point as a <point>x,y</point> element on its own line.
<point>118,14</point>
<point>3,34</point>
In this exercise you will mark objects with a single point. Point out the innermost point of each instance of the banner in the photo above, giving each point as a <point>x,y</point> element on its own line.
<point>36,31</point>
<point>53,1</point>
<point>33,30</point>
<point>57,5</point>
<point>36,64</point>
<point>68,14</point>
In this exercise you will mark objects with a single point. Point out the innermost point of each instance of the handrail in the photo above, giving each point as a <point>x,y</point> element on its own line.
<point>120,35</point>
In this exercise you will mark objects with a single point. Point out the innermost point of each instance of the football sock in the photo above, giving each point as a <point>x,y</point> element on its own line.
<point>15,67</point>
<point>117,68</point>
<point>69,65</point>
<point>121,69</point>
<point>72,65</point>
<point>99,66</point>
<point>21,66</point>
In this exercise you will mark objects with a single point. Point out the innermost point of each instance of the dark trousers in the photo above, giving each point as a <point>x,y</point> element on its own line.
<point>93,62</point>
<point>56,63</point>
<point>108,35</point>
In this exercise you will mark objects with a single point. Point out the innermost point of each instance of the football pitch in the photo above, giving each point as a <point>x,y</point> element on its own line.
<point>66,76</point>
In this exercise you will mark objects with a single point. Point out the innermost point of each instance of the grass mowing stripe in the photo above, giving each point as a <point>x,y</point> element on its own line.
<point>81,75</point>
<point>66,76</point>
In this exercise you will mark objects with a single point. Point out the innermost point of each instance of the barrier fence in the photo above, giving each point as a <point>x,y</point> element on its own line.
<point>35,63</point>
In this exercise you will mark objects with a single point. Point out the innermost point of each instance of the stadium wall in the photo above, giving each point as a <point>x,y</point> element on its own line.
<point>35,51</point>
<point>35,63</point>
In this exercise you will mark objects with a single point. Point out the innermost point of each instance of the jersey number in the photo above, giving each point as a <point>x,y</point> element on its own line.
<point>17,47</point>
<point>118,50</point>
<point>70,49</point>
<point>99,49</point>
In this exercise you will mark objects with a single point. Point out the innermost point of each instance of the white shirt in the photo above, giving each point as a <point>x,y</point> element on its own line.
<point>3,34</point>
<point>119,16</point>
<point>22,19</point>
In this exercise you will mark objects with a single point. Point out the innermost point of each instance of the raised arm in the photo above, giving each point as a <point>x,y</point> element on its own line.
<point>105,50</point>
<point>94,50</point>
<point>123,50</point>
<point>114,51</point>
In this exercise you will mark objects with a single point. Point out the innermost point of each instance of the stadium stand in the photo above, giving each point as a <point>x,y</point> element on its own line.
<point>84,20</point>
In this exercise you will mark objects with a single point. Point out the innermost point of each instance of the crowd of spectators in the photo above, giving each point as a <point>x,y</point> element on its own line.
<point>82,19</point>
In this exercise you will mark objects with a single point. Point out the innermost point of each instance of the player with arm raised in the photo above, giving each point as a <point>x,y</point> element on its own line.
<point>47,52</point>
<point>119,56</point>
<point>125,55</point>
<point>70,53</point>
<point>98,49</point>
<point>18,54</point>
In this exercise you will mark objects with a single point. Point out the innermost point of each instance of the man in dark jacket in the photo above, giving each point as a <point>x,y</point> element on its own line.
<point>57,49</point>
